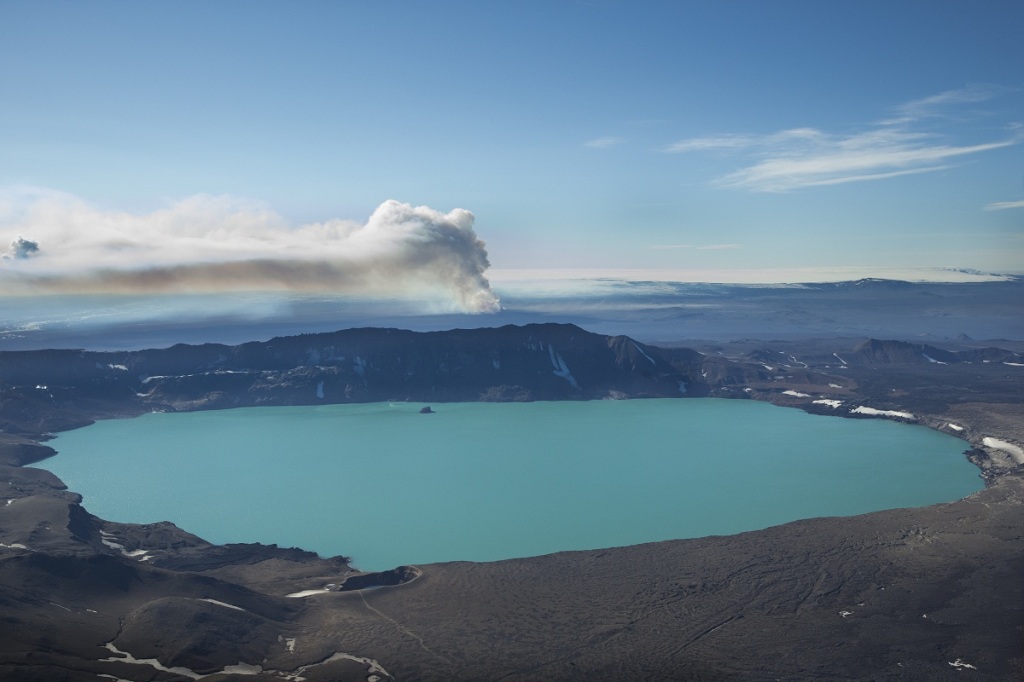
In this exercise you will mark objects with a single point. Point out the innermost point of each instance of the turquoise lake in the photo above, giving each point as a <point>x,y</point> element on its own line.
<point>386,485</point>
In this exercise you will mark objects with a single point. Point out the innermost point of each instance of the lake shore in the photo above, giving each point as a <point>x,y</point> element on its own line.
<point>913,593</point>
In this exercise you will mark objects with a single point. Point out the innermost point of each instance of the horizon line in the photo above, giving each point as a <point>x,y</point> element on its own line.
<point>808,275</point>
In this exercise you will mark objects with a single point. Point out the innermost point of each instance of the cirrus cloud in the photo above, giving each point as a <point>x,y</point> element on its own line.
<point>1004,205</point>
<point>808,157</point>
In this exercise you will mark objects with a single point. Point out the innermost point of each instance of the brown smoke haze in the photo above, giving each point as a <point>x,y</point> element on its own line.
<point>61,245</point>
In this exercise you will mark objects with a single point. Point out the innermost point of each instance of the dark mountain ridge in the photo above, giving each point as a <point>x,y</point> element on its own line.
<point>875,351</point>
<point>533,362</point>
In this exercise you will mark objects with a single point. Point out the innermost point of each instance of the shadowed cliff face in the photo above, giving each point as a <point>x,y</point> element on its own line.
<point>535,362</point>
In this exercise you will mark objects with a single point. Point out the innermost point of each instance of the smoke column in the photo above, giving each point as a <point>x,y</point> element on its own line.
<point>215,244</point>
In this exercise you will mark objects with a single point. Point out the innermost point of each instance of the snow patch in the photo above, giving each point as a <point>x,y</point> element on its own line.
<point>955,427</point>
<point>306,593</point>
<point>958,663</point>
<point>835,385</point>
<point>374,667</point>
<point>13,545</point>
<point>561,370</point>
<point>881,413</point>
<point>239,669</point>
<point>1014,364</point>
<point>836,356</point>
<point>834,404</point>
<point>1014,451</point>
<point>796,394</point>
<point>933,360</point>
<point>120,368</point>
<point>242,669</point>
<point>644,354</point>
<point>125,657</point>
<point>224,604</point>
<point>140,554</point>
<point>289,643</point>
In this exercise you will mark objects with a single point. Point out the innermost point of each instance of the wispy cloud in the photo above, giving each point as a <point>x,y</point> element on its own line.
<point>808,157</point>
<point>1004,205</point>
<point>703,247</point>
<point>852,159</point>
<point>742,141</point>
<point>211,244</point>
<point>603,142</point>
<point>942,103</point>
<point>719,247</point>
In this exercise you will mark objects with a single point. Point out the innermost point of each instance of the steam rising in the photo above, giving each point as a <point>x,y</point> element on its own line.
<point>211,244</point>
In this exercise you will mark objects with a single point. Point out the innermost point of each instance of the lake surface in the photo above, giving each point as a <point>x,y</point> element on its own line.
<point>386,485</point>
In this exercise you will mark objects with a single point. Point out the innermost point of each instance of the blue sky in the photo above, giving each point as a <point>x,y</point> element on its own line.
<point>682,136</point>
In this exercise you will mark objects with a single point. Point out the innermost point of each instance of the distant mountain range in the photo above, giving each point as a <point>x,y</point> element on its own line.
<point>533,362</point>
<point>51,390</point>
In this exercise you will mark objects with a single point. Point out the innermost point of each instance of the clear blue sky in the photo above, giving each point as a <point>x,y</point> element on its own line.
<point>582,134</point>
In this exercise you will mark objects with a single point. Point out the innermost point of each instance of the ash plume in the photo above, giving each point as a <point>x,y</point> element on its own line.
<point>213,244</point>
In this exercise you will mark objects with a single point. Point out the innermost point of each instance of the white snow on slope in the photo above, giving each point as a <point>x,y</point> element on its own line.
<point>1014,451</point>
<point>561,370</point>
<point>643,353</point>
<point>224,604</point>
<point>140,554</point>
<point>881,413</point>
<point>125,657</point>
<point>306,593</point>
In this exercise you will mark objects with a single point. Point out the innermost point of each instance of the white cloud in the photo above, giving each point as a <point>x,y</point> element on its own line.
<point>807,157</point>
<point>940,104</point>
<point>603,142</point>
<point>218,243</point>
<point>1003,205</point>
<point>857,158</point>
<point>696,144</point>
<point>743,141</point>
